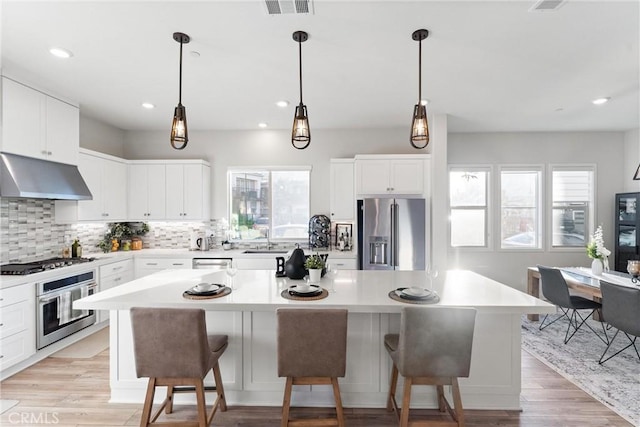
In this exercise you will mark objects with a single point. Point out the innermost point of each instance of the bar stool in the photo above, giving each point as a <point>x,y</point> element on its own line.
<point>172,349</point>
<point>433,348</point>
<point>312,349</point>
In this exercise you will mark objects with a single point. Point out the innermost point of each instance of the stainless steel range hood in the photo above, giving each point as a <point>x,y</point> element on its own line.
<point>26,177</point>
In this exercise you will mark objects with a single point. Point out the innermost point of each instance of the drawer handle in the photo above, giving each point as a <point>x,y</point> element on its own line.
<point>117,279</point>
<point>1,356</point>
<point>152,263</point>
<point>117,268</point>
<point>178,263</point>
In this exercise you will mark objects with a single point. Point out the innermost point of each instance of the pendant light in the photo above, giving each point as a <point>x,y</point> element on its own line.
<point>420,125</point>
<point>300,134</point>
<point>179,133</point>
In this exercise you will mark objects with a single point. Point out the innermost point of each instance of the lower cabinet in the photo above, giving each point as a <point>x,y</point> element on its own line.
<point>112,275</point>
<point>147,266</point>
<point>343,263</point>
<point>17,324</point>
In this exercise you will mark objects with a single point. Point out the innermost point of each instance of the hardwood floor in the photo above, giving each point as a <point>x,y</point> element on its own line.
<point>75,393</point>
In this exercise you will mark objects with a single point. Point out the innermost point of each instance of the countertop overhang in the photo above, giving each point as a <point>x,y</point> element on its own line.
<point>362,291</point>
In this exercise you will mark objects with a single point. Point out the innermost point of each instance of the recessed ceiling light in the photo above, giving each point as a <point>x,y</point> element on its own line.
<point>282,104</point>
<point>559,109</point>
<point>60,52</point>
<point>148,105</point>
<point>194,54</point>
<point>600,101</point>
<point>262,125</point>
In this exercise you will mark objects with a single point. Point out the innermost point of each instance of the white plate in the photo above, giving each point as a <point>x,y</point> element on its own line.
<point>205,287</point>
<point>416,292</point>
<point>312,288</point>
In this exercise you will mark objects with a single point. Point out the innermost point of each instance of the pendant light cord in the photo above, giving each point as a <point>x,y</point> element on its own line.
<point>420,72</point>
<point>300,65</point>
<point>180,88</point>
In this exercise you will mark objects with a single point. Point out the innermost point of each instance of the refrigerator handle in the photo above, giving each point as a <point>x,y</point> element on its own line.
<point>395,243</point>
<point>392,261</point>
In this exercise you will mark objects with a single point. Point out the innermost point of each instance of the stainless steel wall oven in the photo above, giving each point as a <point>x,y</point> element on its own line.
<point>56,317</point>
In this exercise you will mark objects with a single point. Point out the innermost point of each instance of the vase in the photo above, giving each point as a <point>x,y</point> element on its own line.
<point>597,267</point>
<point>315,274</point>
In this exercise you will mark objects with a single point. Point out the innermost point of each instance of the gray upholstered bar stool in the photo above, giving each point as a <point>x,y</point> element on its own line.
<point>433,348</point>
<point>172,349</point>
<point>312,349</point>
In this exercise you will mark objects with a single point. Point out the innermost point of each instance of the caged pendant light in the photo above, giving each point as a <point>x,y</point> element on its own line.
<point>300,134</point>
<point>179,133</point>
<point>420,125</point>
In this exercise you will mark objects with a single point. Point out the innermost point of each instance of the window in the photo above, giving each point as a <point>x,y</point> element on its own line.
<point>520,223</point>
<point>572,206</point>
<point>468,204</point>
<point>269,202</point>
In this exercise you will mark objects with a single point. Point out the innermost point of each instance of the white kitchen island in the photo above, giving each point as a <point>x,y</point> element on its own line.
<point>247,315</point>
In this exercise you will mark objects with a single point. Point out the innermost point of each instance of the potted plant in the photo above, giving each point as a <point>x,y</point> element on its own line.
<point>315,264</point>
<point>119,232</point>
<point>226,245</point>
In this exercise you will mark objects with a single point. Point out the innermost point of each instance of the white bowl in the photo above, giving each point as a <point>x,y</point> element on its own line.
<point>416,292</point>
<point>205,287</point>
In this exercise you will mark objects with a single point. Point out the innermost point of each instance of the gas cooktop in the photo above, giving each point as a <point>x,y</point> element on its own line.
<point>22,269</point>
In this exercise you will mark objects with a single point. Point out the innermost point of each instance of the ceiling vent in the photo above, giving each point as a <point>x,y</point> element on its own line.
<point>547,5</point>
<point>285,7</point>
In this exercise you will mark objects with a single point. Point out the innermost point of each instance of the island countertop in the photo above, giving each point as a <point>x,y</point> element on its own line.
<point>363,291</point>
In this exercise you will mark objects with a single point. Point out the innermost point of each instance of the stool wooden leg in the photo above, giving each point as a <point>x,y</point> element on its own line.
<point>392,388</point>
<point>202,406</point>
<point>406,401</point>
<point>169,406</point>
<point>219,388</point>
<point>286,402</point>
<point>457,402</point>
<point>441,402</point>
<point>338,399</point>
<point>148,403</point>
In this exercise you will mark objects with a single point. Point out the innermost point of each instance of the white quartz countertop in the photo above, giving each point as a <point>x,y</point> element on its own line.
<point>357,290</point>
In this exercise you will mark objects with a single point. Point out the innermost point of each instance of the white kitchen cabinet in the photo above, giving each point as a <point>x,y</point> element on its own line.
<point>17,324</point>
<point>341,189</point>
<point>38,125</point>
<point>106,177</point>
<point>257,262</point>
<point>112,275</point>
<point>391,175</point>
<point>147,266</point>
<point>188,187</point>
<point>343,263</point>
<point>147,192</point>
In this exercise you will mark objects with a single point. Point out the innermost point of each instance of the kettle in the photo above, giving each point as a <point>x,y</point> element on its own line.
<point>203,243</point>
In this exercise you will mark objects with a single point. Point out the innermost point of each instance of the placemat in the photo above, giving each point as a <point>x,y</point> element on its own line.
<point>224,293</point>
<point>285,294</point>
<point>435,299</point>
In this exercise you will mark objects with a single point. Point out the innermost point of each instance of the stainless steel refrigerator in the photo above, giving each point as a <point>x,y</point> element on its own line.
<point>391,234</point>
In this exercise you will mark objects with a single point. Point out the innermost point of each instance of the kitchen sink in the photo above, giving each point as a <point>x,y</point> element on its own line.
<point>264,251</point>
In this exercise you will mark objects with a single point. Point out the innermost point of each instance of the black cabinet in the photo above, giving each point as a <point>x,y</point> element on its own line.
<point>626,233</point>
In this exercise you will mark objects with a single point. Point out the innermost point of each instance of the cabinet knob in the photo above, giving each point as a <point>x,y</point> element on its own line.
<point>49,153</point>
<point>43,152</point>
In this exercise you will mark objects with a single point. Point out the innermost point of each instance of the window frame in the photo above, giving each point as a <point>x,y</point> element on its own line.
<point>269,169</point>
<point>541,220</point>
<point>488,169</point>
<point>592,211</point>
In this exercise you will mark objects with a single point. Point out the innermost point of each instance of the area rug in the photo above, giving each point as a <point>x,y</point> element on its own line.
<point>87,347</point>
<point>616,383</point>
<point>5,405</point>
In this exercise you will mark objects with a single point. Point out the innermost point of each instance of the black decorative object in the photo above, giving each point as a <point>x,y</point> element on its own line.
<point>294,266</point>
<point>319,231</point>
<point>179,132</point>
<point>419,124</point>
<point>300,134</point>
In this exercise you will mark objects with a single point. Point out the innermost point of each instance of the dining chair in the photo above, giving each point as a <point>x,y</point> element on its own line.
<point>172,349</point>
<point>621,309</point>
<point>312,349</point>
<point>433,348</point>
<point>556,290</point>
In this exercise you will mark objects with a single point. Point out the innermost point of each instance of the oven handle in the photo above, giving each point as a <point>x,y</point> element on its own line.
<point>57,295</point>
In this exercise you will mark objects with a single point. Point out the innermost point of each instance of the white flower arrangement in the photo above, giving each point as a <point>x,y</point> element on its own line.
<point>596,248</point>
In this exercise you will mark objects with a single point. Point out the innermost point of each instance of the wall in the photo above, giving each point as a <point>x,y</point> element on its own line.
<point>631,160</point>
<point>99,136</point>
<point>266,148</point>
<point>604,149</point>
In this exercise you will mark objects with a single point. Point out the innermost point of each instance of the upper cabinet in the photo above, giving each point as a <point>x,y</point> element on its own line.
<point>341,189</point>
<point>188,186</point>
<point>38,125</point>
<point>392,175</point>
<point>106,177</point>
<point>147,199</point>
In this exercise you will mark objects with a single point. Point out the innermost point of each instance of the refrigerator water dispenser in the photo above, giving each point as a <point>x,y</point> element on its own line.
<point>378,250</point>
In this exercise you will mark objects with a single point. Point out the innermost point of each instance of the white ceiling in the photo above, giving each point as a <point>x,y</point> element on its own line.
<point>491,66</point>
